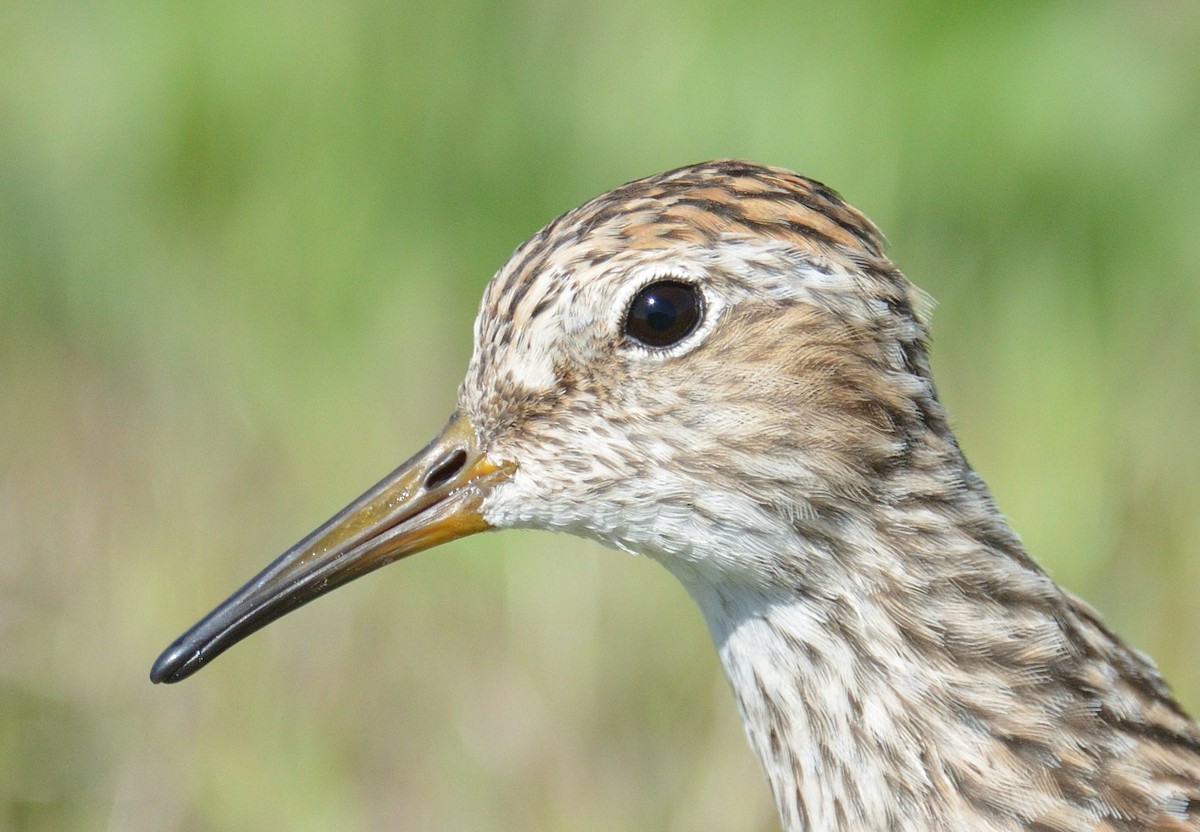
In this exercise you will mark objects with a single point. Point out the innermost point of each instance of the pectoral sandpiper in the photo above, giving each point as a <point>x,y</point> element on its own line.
<point>719,368</point>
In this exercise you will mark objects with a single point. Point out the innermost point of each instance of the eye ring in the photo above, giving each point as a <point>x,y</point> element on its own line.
<point>663,313</point>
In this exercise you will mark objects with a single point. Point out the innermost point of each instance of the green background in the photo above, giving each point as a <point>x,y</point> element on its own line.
<point>241,247</point>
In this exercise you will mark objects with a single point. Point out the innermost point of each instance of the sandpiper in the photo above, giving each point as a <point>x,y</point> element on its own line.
<point>719,368</point>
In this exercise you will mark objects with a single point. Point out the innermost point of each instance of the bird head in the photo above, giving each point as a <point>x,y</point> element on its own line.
<point>695,366</point>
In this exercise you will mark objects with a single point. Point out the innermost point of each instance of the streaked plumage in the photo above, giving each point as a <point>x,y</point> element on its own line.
<point>900,662</point>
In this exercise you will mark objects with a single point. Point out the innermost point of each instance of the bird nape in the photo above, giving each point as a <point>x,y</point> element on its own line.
<point>719,368</point>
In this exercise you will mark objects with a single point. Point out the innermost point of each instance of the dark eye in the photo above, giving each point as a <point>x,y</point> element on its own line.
<point>664,313</point>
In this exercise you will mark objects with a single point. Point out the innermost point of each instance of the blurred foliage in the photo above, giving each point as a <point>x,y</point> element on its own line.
<point>241,245</point>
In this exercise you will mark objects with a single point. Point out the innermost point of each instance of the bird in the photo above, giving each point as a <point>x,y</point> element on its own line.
<point>719,368</point>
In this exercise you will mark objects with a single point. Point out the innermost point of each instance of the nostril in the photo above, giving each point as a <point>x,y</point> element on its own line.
<point>450,465</point>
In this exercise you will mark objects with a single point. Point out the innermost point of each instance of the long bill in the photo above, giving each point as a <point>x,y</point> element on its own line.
<point>432,498</point>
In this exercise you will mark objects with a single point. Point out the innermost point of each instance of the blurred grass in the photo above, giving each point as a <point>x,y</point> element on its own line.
<point>241,246</point>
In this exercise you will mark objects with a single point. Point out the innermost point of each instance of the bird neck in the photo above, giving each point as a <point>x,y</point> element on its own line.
<point>932,677</point>
<point>832,728</point>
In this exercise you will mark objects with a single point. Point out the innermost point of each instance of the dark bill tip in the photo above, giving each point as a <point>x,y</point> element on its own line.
<point>177,662</point>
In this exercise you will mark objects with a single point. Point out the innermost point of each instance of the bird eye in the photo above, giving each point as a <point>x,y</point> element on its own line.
<point>664,313</point>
